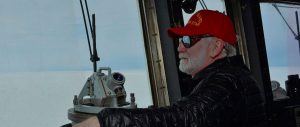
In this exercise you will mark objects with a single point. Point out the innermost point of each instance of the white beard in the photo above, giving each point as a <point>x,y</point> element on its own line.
<point>190,65</point>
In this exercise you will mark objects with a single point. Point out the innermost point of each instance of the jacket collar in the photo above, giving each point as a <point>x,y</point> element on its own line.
<point>219,64</point>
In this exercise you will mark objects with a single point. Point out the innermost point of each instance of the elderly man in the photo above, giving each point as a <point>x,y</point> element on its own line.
<point>224,93</point>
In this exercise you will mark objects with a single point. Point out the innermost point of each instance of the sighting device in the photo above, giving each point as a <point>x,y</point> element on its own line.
<point>101,90</point>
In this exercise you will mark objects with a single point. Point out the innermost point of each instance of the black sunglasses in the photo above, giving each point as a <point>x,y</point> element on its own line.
<point>189,41</point>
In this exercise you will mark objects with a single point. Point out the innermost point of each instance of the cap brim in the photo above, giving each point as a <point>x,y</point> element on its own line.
<point>183,31</point>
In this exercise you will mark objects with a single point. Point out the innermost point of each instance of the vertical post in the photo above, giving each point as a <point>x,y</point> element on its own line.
<point>298,34</point>
<point>95,56</point>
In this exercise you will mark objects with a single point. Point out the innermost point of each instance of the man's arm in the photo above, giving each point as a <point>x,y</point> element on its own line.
<point>207,105</point>
<point>90,122</point>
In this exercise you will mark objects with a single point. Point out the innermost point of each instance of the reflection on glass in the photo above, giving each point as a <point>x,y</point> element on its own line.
<point>45,58</point>
<point>282,47</point>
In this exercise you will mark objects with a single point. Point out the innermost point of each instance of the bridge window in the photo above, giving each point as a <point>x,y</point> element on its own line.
<point>45,59</point>
<point>280,31</point>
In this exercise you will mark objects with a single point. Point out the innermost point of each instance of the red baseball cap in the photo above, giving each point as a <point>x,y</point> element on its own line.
<point>207,22</point>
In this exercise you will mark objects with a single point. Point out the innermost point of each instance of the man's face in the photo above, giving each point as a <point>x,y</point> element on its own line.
<point>195,58</point>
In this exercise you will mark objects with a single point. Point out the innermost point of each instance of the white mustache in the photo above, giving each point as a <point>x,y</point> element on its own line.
<point>183,56</point>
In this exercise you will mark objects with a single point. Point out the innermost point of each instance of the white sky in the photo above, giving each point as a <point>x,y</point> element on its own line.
<point>43,35</point>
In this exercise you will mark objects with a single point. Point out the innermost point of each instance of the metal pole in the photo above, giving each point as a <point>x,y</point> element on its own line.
<point>86,29</point>
<point>95,55</point>
<point>88,12</point>
<point>298,36</point>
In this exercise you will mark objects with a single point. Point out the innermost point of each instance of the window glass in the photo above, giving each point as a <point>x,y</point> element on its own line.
<point>218,5</point>
<point>282,47</point>
<point>45,58</point>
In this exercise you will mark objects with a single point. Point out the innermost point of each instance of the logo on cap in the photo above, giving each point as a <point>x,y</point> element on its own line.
<point>196,22</point>
<point>207,22</point>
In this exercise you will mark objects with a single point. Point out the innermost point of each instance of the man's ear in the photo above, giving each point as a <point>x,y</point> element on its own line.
<point>216,48</point>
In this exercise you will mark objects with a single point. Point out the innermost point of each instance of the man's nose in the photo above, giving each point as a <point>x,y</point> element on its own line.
<point>181,47</point>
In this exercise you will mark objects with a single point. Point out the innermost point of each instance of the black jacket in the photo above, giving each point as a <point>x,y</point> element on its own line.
<point>225,95</point>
